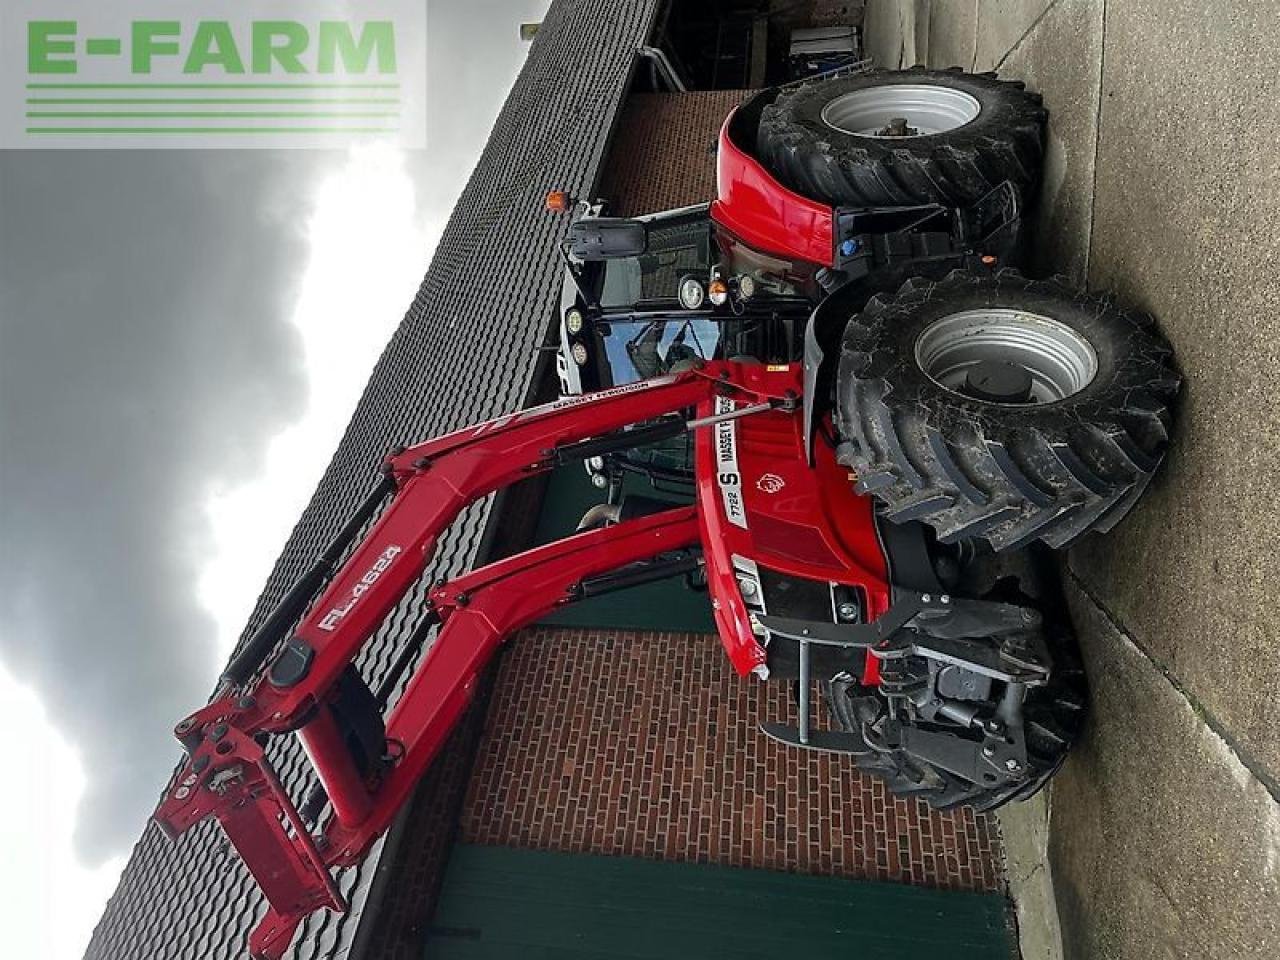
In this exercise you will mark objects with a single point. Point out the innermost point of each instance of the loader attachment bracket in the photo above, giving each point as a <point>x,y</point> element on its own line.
<point>229,777</point>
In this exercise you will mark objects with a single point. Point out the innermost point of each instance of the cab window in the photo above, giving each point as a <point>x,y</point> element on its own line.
<point>677,247</point>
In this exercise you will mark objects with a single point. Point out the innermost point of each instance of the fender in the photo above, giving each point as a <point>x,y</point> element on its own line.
<point>822,355</point>
<point>755,207</point>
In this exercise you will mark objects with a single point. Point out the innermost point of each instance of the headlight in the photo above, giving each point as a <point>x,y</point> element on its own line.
<point>579,352</point>
<point>747,574</point>
<point>691,293</point>
<point>746,286</point>
<point>573,321</point>
<point>718,292</point>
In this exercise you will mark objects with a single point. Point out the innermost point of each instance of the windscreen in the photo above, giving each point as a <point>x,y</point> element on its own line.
<point>638,350</point>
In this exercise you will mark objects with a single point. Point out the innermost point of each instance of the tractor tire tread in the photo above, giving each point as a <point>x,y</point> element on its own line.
<point>1004,142</point>
<point>1011,475</point>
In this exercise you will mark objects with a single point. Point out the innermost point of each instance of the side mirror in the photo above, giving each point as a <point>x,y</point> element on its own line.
<point>607,238</point>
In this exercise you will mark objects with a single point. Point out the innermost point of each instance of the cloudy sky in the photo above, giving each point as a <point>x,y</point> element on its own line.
<point>183,336</point>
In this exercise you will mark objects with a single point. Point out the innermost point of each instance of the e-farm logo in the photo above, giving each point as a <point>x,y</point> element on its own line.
<point>212,73</point>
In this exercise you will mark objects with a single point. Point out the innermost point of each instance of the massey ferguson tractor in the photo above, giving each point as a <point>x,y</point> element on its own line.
<point>888,427</point>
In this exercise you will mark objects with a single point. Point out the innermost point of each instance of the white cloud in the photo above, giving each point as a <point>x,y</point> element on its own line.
<point>49,902</point>
<point>367,255</point>
<point>367,251</point>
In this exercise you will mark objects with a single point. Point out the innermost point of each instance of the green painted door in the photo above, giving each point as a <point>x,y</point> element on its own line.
<point>501,903</point>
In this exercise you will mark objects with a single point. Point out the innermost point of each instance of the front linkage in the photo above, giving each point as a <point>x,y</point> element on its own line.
<point>963,646</point>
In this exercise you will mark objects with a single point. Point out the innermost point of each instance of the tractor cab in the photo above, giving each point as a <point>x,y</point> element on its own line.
<point>643,296</point>
<point>653,295</point>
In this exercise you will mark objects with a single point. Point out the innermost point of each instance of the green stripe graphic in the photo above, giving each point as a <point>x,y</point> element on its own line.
<point>293,96</point>
<point>230,100</point>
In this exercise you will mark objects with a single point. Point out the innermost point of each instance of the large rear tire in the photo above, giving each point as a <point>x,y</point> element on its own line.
<point>826,140</point>
<point>1067,448</point>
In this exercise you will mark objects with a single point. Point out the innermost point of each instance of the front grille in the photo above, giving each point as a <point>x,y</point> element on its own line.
<point>786,596</point>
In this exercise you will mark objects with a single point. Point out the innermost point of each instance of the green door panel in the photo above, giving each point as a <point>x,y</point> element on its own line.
<point>502,902</point>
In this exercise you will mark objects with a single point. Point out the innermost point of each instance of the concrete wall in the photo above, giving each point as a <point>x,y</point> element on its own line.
<point>1162,184</point>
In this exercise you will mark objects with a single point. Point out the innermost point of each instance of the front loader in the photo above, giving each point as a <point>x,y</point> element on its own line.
<point>858,503</point>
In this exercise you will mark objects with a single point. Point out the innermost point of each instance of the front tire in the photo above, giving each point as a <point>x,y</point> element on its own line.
<point>1069,452</point>
<point>965,135</point>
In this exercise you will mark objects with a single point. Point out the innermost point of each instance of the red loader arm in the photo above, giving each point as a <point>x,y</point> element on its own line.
<point>227,774</point>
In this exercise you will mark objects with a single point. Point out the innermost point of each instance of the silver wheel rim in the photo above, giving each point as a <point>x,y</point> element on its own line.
<point>1059,361</point>
<point>928,110</point>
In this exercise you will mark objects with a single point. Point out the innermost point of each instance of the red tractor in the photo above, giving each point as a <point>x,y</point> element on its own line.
<point>880,415</point>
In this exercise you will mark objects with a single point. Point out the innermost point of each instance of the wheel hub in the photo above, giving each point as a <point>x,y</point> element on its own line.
<point>897,127</point>
<point>1006,356</point>
<point>998,381</point>
<point>901,110</point>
